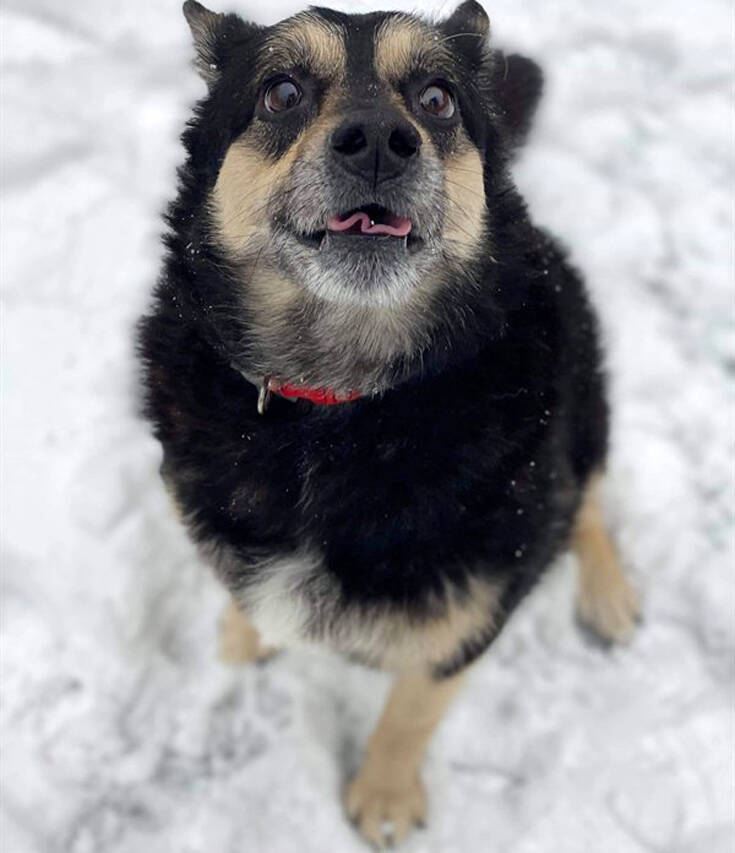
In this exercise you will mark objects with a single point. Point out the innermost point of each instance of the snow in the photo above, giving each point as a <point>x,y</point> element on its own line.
<point>120,730</point>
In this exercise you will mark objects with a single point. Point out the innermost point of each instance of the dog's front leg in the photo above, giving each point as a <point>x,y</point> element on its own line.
<point>386,798</point>
<point>606,602</point>
<point>239,639</point>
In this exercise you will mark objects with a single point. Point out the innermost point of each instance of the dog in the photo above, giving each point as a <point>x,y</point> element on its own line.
<point>378,386</point>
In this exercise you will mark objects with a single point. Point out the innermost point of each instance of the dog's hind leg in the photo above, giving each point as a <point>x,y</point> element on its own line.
<point>386,798</point>
<point>606,602</point>
<point>239,640</point>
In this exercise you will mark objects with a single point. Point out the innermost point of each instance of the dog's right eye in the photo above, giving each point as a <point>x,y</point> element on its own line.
<point>281,95</point>
<point>437,100</point>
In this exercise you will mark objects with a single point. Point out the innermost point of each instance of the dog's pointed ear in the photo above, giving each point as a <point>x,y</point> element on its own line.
<point>204,26</point>
<point>518,83</point>
<point>469,26</point>
<point>214,37</point>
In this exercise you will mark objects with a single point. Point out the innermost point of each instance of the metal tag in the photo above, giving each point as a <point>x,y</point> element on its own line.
<point>264,396</point>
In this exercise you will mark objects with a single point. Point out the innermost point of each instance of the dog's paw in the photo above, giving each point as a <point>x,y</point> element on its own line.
<point>239,641</point>
<point>385,810</point>
<point>611,611</point>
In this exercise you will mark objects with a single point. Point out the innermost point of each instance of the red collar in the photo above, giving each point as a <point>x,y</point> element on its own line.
<point>320,396</point>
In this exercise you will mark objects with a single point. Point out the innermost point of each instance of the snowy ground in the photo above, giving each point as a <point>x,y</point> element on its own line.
<point>121,732</point>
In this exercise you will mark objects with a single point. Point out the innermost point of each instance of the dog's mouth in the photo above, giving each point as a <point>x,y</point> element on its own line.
<point>371,221</point>
<point>371,224</point>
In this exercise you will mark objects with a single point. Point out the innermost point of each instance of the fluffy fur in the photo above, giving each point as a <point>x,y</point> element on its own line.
<point>403,528</point>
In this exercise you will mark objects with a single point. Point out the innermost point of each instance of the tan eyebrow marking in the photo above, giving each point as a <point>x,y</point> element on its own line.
<point>403,44</point>
<point>307,40</point>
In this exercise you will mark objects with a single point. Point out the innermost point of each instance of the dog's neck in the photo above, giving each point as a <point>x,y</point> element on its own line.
<point>334,352</point>
<point>285,340</point>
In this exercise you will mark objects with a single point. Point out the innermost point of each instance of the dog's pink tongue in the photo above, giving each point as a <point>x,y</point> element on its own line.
<point>397,227</point>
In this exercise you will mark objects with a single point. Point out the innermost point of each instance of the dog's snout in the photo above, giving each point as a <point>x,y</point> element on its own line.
<point>375,147</point>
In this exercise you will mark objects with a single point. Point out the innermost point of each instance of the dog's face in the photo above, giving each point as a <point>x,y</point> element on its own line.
<point>349,166</point>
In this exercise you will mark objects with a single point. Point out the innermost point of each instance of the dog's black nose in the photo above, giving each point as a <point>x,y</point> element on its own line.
<point>375,146</point>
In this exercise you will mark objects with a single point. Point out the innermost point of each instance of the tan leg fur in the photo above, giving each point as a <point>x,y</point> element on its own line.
<point>606,602</point>
<point>386,798</point>
<point>239,641</point>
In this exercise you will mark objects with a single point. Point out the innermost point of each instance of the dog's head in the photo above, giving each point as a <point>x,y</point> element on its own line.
<point>345,162</point>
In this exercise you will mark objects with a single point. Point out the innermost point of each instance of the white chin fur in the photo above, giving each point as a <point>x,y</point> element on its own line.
<point>340,287</point>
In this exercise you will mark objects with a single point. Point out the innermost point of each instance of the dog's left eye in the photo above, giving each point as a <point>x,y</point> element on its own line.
<point>281,96</point>
<point>437,100</point>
